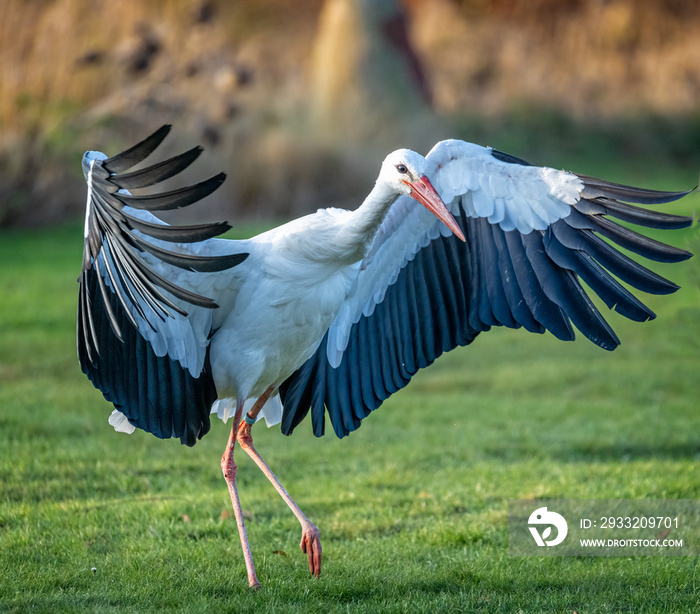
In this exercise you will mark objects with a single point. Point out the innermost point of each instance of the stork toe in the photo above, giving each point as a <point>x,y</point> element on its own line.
<point>311,546</point>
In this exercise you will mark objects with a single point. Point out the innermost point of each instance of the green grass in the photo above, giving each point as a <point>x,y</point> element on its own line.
<point>412,507</point>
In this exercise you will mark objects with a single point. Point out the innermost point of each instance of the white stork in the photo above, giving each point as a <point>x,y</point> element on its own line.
<point>334,312</point>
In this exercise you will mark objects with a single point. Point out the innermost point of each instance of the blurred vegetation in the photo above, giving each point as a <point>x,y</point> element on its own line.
<point>563,83</point>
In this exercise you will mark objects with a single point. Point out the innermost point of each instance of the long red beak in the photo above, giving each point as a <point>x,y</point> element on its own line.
<point>424,192</point>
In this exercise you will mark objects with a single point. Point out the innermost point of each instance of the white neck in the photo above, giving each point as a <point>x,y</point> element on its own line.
<point>362,226</point>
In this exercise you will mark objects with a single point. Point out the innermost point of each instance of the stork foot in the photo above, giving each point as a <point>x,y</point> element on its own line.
<point>311,546</point>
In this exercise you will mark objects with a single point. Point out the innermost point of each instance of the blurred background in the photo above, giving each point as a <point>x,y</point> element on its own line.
<point>299,100</point>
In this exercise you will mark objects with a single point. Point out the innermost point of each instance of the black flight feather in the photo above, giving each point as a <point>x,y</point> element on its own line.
<point>451,291</point>
<point>119,286</point>
<point>158,172</point>
<point>138,153</point>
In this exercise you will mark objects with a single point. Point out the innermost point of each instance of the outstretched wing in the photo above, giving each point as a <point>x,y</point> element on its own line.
<point>532,234</point>
<point>143,331</point>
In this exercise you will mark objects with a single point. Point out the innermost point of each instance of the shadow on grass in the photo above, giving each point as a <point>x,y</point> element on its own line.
<point>627,452</point>
<point>603,452</point>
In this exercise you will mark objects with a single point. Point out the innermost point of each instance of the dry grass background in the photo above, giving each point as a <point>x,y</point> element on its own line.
<point>250,80</point>
<point>590,58</point>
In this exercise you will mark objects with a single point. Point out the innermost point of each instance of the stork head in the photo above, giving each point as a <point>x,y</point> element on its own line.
<point>406,173</point>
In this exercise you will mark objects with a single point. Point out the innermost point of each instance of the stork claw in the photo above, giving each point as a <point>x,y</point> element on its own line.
<point>311,546</point>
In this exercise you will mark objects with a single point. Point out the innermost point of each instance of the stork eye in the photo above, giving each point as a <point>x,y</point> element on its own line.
<point>402,168</point>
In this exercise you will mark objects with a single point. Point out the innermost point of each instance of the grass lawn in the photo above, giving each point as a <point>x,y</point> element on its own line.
<point>412,508</point>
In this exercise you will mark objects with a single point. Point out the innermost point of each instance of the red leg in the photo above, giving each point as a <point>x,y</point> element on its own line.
<point>310,537</point>
<point>230,470</point>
